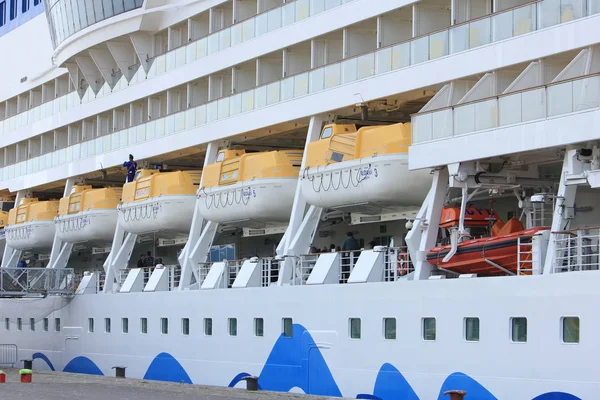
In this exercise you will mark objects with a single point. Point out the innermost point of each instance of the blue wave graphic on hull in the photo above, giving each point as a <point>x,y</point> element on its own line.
<point>42,356</point>
<point>297,362</point>
<point>460,381</point>
<point>165,367</point>
<point>391,384</point>
<point>556,396</point>
<point>82,365</point>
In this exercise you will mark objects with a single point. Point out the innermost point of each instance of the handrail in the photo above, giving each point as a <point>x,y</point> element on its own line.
<point>498,96</point>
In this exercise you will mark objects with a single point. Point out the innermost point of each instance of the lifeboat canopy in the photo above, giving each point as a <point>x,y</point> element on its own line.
<point>159,202</point>
<point>31,225</point>
<point>363,169</point>
<point>88,215</point>
<point>250,189</point>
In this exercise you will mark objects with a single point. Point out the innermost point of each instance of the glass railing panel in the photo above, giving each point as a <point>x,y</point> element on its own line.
<point>235,105</point>
<point>366,66</point>
<point>212,111</point>
<point>333,75</point>
<point>509,109</point>
<point>55,158</point>
<point>225,39</point>
<point>586,93</point>
<point>213,43</point>
<point>106,144</point>
<point>260,97</point>
<point>151,130</point>
<point>288,14</point>
<point>438,45</point>
<point>190,52</point>
<point>422,128</point>
<point>152,72</point>
<point>141,133</point>
<point>248,29</point>
<point>274,19</point>
<point>12,124</point>
<point>329,4</point>
<point>131,136</point>
<point>560,99</point>
<point>223,106</point>
<point>524,19</point>
<point>180,56</point>
<point>486,114</point>
<point>248,101</point>
<point>76,151</point>
<point>161,64</point>
<point>302,9</point>
<point>262,24</point>
<point>200,115</point>
<point>114,141</point>
<point>480,32</point>
<point>178,122</point>
<point>464,119</point>
<point>317,80</point>
<point>349,70</point>
<point>170,61</point>
<point>419,50</point>
<point>533,105</point>
<point>201,48</point>
<point>160,127</point>
<point>502,26</point>
<point>442,123</point>
<point>595,7</point>
<point>274,93</point>
<point>190,118</point>
<point>287,89</point>
<point>69,158</point>
<point>317,6</point>
<point>237,34</point>
<point>169,125</point>
<point>383,59</point>
<point>301,84</point>
<point>123,138</point>
<point>401,56</point>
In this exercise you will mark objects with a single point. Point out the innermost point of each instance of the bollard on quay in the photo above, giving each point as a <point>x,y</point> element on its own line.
<point>456,394</point>
<point>119,371</point>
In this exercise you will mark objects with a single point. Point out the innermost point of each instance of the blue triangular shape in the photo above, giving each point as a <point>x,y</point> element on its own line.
<point>165,367</point>
<point>460,381</point>
<point>556,396</point>
<point>82,365</point>
<point>391,385</point>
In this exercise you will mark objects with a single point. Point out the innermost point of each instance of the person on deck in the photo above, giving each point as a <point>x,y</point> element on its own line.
<point>140,263</point>
<point>131,166</point>
<point>149,260</point>
<point>350,244</point>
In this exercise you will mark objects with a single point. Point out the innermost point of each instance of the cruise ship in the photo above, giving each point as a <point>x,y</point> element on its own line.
<point>383,199</point>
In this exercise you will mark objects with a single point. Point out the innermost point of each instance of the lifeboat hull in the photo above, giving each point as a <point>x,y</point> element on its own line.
<point>167,214</point>
<point>268,201</point>
<point>93,226</point>
<point>35,236</point>
<point>2,242</point>
<point>384,180</point>
<point>471,256</point>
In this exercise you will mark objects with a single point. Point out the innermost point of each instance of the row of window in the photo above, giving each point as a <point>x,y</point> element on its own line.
<point>518,327</point>
<point>13,9</point>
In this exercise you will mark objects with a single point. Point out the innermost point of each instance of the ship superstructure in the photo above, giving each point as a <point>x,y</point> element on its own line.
<point>384,197</point>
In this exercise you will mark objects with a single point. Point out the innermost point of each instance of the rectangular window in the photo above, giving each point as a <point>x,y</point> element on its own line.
<point>24,6</point>
<point>287,327</point>
<point>91,325</point>
<point>232,326</point>
<point>46,323</point>
<point>472,329</point>
<point>125,325</point>
<point>259,327</point>
<point>185,326</point>
<point>428,328</point>
<point>164,326</point>
<point>354,328</point>
<point>389,328</point>
<point>36,2</point>
<point>208,326</point>
<point>570,329</point>
<point>7,324</point>
<point>57,324</point>
<point>13,9</point>
<point>32,324</point>
<point>518,329</point>
<point>2,13</point>
<point>107,325</point>
<point>144,325</point>
<point>19,324</point>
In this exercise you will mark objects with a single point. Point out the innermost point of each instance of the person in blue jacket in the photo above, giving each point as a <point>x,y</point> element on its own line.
<point>131,166</point>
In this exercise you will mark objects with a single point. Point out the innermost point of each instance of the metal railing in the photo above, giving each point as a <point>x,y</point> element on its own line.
<point>577,250</point>
<point>269,271</point>
<point>26,281</point>
<point>525,256</point>
<point>8,354</point>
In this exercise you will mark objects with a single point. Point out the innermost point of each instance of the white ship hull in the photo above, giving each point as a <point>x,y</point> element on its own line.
<point>321,358</point>
<point>95,226</point>
<point>383,180</point>
<point>168,214</point>
<point>263,200</point>
<point>36,236</point>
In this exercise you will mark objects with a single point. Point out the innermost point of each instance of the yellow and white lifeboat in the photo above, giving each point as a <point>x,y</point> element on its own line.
<point>3,222</point>
<point>88,215</point>
<point>365,169</point>
<point>31,225</point>
<point>159,202</point>
<point>250,189</point>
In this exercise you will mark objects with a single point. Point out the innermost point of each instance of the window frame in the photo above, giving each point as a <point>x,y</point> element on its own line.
<point>512,331</point>
<point>386,319</point>
<point>7,324</point>
<point>232,323</point>
<point>284,327</point>
<point>144,325</point>
<point>465,329</point>
<point>2,13</point>
<point>124,325</point>
<point>262,327</point>
<point>57,324</point>
<point>46,324</point>
<point>32,324</point>
<point>107,325</point>
<point>562,329</point>
<point>24,6</point>
<point>185,326</point>
<point>19,324</point>
<point>164,325</point>
<point>424,329</point>
<point>13,10</point>
<point>351,320</point>
<point>206,324</point>
<point>91,324</point>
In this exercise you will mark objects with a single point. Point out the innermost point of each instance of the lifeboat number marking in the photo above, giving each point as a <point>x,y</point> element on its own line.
<point>367,172</point>
<point>142,192</point>
<point>249,192</point>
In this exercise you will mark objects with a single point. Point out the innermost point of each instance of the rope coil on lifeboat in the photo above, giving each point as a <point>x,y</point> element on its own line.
<point>362,174</point>
<point>140,212</point>
<point>235,196</point>
<point>73,224</point>
<point>19,233</point>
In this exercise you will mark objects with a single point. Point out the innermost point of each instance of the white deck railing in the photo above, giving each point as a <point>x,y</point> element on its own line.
<point>577,250</point>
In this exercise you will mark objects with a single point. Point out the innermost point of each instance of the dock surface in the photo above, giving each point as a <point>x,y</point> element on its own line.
<point>61,385</point>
